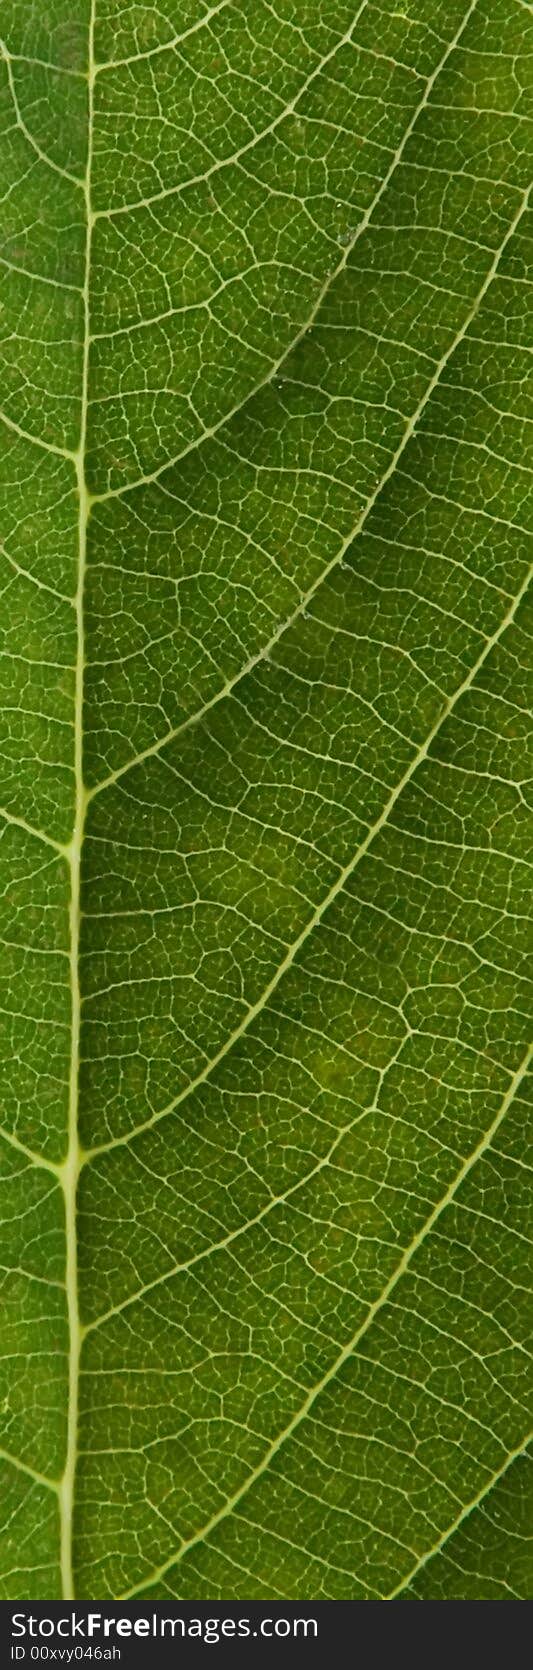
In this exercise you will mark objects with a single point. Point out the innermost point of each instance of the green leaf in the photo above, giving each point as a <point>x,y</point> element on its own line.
<point>264,484</point>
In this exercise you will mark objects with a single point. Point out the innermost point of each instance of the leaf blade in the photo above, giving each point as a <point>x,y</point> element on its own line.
<point>301,972</point>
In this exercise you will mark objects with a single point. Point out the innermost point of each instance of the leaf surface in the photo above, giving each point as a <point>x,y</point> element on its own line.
<point>266,518</point>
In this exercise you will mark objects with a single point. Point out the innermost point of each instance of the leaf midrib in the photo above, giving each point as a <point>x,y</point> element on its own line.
<point>70,1170</point>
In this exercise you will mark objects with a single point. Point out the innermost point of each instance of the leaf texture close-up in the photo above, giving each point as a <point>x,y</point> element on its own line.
<point>265,505</point>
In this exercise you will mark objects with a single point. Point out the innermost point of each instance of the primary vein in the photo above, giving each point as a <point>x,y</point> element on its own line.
<point>70,1169</point>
